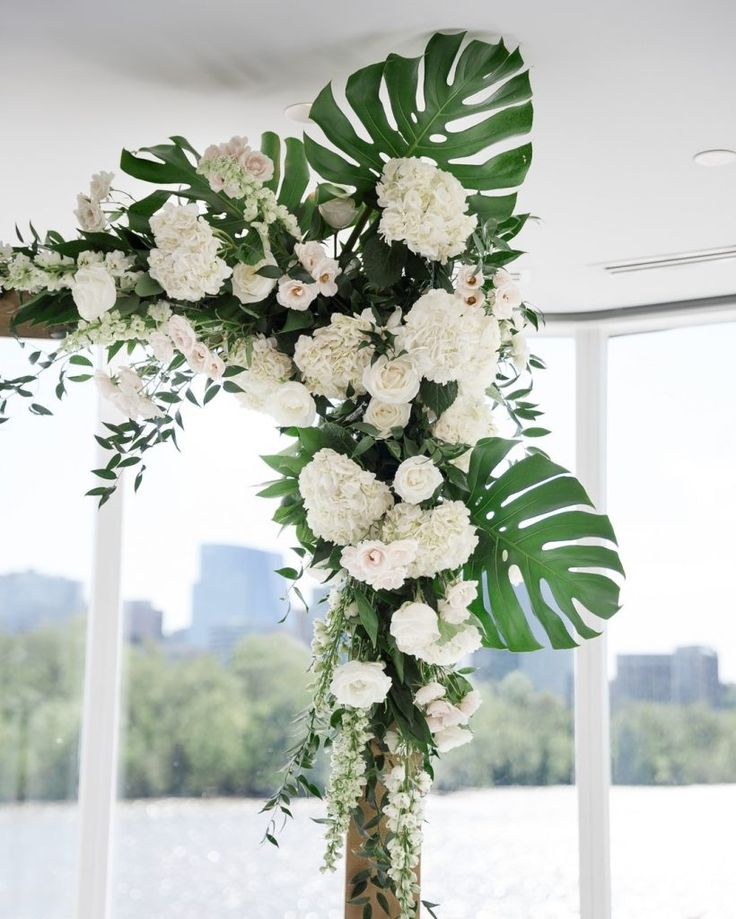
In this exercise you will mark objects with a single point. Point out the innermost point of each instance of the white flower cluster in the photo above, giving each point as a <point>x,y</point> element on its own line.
<point>444,534</point>
<point>185,261</point>
<point>447,721</point>
<point>466,421</point>
<point>360,684</point>
<point>106,330</point>
<point>425,207</point>
<point>89,210</point>
<point>384,567</point>
<point>347,778</point>
<point>178,333</point>
<point>126,392</point>
<point>403,809</point>
<point>331,359</point>
<point>298,295</point>
<point>419,631</point>
<point>343,501</point>
<point>267,385</point>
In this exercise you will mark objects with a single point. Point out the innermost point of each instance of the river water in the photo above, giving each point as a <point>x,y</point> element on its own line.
<point>507,853</point>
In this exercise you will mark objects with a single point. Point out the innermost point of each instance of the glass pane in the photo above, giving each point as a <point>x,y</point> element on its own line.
<point>45,549</point>
<point>672,451</point>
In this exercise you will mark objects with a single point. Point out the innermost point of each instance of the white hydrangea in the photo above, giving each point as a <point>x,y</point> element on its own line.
<point>331,359</point>
<point>466,421</point>
<point>267,369</point>
<point>185,261</point>
<point>425,207</point>
<point>445,536</point>
<point>343,501</point>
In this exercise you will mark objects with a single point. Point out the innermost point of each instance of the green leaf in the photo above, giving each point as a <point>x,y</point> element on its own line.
<point>480,79</point>
<point>147,287</point>
<point>368,616</point>
<point>438,396</point>
<point>529,515</point>
<point>383,264</point>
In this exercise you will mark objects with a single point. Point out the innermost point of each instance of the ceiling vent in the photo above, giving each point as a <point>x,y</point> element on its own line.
<point>671,261</point>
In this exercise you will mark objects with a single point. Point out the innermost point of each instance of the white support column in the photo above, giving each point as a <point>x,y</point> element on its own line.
<point>592,739</point>
<point>100,714</point>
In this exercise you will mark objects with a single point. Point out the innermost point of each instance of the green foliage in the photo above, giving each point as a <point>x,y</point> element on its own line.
<point>428,96</point>
<point>529,516</point>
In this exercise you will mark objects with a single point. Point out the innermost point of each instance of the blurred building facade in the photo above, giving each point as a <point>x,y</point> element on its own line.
<point>29,600</point>
<point>689,676</point>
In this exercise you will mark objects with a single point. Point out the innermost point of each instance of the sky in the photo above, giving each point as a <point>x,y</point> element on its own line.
<point>671,492</point>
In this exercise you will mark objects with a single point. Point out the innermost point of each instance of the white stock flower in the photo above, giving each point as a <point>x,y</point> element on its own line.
<point>360,684</point>
<point>185,261</point>
<point>248,285</point>
<point>424,206</point>
<point>343,501</point>
<point>338,213</point>
<point>414,628</point>
<point>445,535</point>
<point>160,311</point>
<point>381,565</point>
<point>295,295</point>
<point>395,380</point>
<point>90,215</point>
<point>385,416</point>
<point>93,292</point>
<point>453,608</point>
<point>99,185</point>
<point>429,693</point>
<point>452,737</point>
<point>417,479</point>
<point>162,346</point>
<point>291,404</point>
<point>331,359</point>
<point>466,421</point>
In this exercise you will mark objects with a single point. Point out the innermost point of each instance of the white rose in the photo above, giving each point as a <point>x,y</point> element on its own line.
<point>258,165</point>
<point>99,186</point>
<point>90,215</point>
<point>449,738</point>
<point>443,714</point>
<point>383,566</point>
<point>339,212</point>
<point>385,416</point>
<point>414,627</point>
<point>324,275</point>
<point>161,346</point>
<point>295,295</point>
<point>291,404</point>
<point>470,703</point>
<point>310,255</point>
<point>181,333</point>
<point>506,299</point>
<point>248,285</point>
<point>395,381</point>
<point>428,693</point>
<point>458,597</point>
<point>93,291</point>
<point>360,684</point>
<point>417,479</point>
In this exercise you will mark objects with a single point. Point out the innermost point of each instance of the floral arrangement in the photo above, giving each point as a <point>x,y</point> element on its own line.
<point>373,317</point>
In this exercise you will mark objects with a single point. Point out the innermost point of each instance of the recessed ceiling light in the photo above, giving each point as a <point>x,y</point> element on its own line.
<point>715,157</point>
<point>299,112</point>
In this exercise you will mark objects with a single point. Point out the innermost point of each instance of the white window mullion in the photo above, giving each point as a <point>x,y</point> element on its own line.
<point>592,737</point>
<point>101,705</point>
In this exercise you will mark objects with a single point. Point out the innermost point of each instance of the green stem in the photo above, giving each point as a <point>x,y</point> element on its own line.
<point>357,230</point>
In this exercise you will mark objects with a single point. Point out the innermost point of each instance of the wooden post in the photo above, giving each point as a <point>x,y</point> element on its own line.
<point>8,306</point>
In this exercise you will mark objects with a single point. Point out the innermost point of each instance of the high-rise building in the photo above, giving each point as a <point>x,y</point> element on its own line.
<point>695,676</point>
<point>29,600</point>
<point>687,677</point>
<point>143,623</point>
<point>547,670</point>
<point>238,593</point>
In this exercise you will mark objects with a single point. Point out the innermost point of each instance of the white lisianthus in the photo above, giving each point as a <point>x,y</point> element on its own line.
<point>310,254</point>
<point>443,714</point>
<point>385,416</point>
<point>100,184</point>
<point>360,684</point>
<point>343,501</point>
<point>429,693</point>
<point>470,703</point>
<point>424,206</point>
<point>248,285</point>
<point>162,346</point>
<point>445,535</point>
<point>295,295</point>
<point>449,738</point>
<point>338,213</point>
<point>453,608</point>
<point>469,281</point>
<point>507,296</point>
<point>466,421</point>
<point>93,292</point>
<point>383,566</point>
<point>395,380</point>
<point>198,357</point>
<point>324,275</point>
<point>520,351</point>
<point>331,359</point>
<point>417,479</point>
<point>414,628</point>
<point>126,394</point>
<point>291,404</point>
<point>181,333</point>
<point>90,215</point>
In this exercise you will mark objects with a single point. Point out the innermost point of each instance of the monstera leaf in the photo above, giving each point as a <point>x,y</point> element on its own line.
<point>291,171</point>
<point>483,83</point>
<point>536,516</point>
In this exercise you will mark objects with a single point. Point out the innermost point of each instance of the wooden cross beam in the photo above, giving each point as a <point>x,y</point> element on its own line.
<point>8,306</point>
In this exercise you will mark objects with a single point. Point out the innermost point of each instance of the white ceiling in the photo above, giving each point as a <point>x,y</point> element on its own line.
<point>625,94</point>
